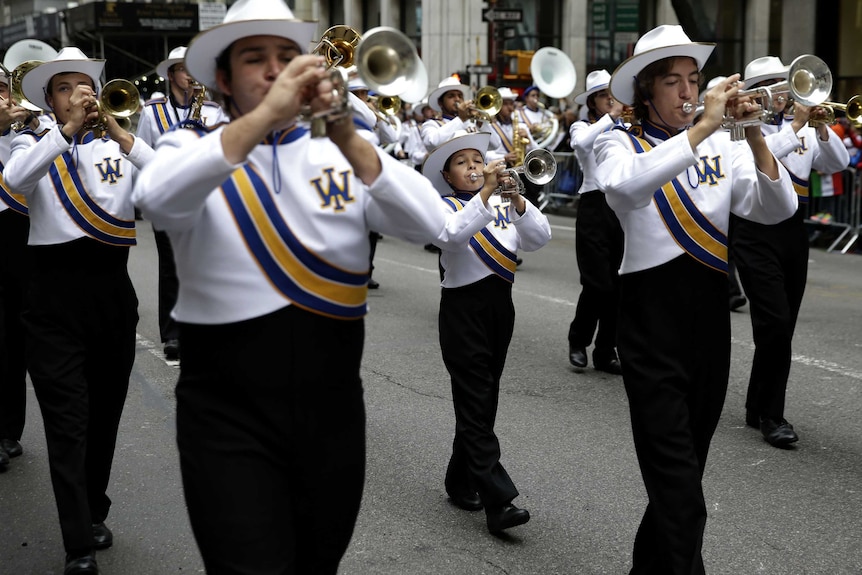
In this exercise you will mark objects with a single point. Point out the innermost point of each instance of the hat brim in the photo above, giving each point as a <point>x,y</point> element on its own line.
<point>749,82</point>
<point>432,168</point>
<point>165,65</point>
<point>581,99</point>
<point>207,46</point>
<point>36,80</point>
<point>434,96</point>
<point>622,83</point>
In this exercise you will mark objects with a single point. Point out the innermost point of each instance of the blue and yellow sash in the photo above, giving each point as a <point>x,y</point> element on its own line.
<point>694,233</point>
<point>801,186</point>
<point>16,202</point>
<point>507,141</point>
<point>492,253</point>
<point>296,272</point>
<point>84,211</point>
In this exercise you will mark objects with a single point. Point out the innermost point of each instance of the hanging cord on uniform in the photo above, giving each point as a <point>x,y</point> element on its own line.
<point>276,169</point>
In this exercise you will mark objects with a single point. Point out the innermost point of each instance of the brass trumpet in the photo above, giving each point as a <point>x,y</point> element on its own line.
<point>853,109</point>
<point>487,103</point>
<point>118,98</point>
<point>338,46</point>
<point>15,91</point>
<point>539,167</point>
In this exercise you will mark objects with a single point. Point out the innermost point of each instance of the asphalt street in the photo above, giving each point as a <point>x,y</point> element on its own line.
<point>564,433</point>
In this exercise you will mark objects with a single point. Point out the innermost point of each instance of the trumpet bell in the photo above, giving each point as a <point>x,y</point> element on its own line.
<point>338,46</point>
<point>120,98</point>
<point>553,72</point>
<point>809,80</point>
<point>387,60</point>
<point>489,101</point>
<point>540,166</point>
<point>389,105</point>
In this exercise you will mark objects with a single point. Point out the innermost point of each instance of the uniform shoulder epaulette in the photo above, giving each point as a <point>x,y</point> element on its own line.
<point>152,101</point>
<point>38,135</point>
<point>197,127</point>
<point>212,103</point>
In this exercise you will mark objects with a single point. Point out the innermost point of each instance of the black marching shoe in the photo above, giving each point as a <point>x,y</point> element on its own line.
<point>737,301</point>
<point>611,365</point>
<point>4,459</point>
<point>577,356</point>
<point>501,518</point>
<point>778,433</point>
<point>102,536</point>
<point>172,349</point>
<point>468,502</point>
<point>81,564</point>
<point>372,284</point>
<point>12,447</point>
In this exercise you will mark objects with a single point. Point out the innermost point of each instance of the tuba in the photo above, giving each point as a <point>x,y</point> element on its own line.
<point>118,98</point>
<point>555,75</point>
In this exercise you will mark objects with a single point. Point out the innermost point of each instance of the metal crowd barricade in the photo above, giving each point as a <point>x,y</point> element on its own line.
<point>845,210</point>
<point>563,189</point>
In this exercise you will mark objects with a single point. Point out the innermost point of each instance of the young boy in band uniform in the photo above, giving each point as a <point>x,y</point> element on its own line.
<point>478,260</point>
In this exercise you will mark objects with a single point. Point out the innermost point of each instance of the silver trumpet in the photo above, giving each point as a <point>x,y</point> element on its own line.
<point>539,167</point>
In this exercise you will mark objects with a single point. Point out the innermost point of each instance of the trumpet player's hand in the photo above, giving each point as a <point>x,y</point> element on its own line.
<point>715,103</point>
<point>616,109</point>
<point>82,108</point>
<point>511,158</point>
<point>10,113</point>
<point>118,134</point>
<point>492,174</point>
<point>465,110</point>
<point>303,81</point>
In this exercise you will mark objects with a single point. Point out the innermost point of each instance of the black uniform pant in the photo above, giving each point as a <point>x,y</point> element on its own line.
<point>773,267</point>
<point>674,345</point>
<point>80,319</point>
<point>169,286</point>
<point>599,250</point>
<point>14,275</point>
<point>271,434</point>
<point>476,324</point>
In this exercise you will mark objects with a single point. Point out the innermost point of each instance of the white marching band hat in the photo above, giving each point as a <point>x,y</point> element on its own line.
<point>597,80</point>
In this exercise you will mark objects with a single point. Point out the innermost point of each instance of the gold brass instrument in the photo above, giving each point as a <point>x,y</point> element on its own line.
<point>193,119</point>
<point>387,62</point>
<point>539,167</point>
<point>487,103</point>
<point>519,143</point>
<point>853,109</point>
<point>118,98</point>
<point>15,91</point>
<point>338,46</point>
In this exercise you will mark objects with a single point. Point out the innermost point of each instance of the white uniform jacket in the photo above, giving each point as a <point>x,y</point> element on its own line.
<point>803,151</point>
<point>582,137</point>
<point>161,114</point>
<point>288,226</point>
<point>75,190</point>
<point>718,178</point>
<point>438,131</point>
<point>480,241</point>
<point>8,199</point>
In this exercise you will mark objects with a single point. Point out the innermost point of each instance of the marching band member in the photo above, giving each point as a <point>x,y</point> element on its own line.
<point>14,266</point>
<point>503,126</point>
<point>269,228</point>
<point>414,146</point>
<point>454,102</point>
<point>158,116</point>
<point>598,235</point>
<point>532,113</point>
<point>773,259</point>
<point>477,317</point>
<point>673,189</point>
<point>81,338</point>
